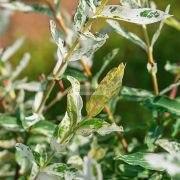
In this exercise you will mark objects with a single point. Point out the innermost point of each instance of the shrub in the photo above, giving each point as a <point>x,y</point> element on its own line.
<point>88,142</point>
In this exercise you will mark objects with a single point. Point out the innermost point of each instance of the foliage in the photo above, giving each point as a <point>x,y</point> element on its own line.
<point>87,141</point>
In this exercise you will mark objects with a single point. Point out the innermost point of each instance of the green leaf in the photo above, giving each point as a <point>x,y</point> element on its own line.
<point>164,103</point>
<point>108,88</point>
<point>44,127</point>
<point>89,126</point>
<point>134,94</point>
<point>80,76</point>
<point>172,147</point>
<point>128,35</point>
<point>74,101</point>
<point>9,122</point>
<point>173,23</point>
<point>157,33</point>
<point>136,159</point>
<point>32,120</point>
<point>19,6</point>
<point>25,151</point>
<point>62,129</point>
<point>137,16</point>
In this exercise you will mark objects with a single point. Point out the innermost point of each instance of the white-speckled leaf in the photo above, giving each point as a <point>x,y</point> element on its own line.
<point>128,35</point>
<point>74,101</point>
<point>172,147</point>
<point>157,33</point>
<point>107,89</point>
<point>80,16</point>
<point>93,43</point>
<point>87,127</point>
<point>25,151</point>
<point>137,16</point>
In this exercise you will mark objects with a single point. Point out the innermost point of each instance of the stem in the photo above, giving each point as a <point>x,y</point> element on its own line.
<point>151,60</point>
<point>51,86</point>
<point>119,134</point>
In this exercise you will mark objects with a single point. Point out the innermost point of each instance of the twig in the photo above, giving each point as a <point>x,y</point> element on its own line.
<point>119,134</point>
<point>151,60</point>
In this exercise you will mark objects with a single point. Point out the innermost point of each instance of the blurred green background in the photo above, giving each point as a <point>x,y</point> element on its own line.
<point>42,51</point>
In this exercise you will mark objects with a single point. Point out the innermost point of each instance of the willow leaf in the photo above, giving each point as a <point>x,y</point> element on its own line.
<point>107,89</point>
<point>137,16</point>
<point>164,103</point>
<point>157,33</point>
<point>128,35</point>
<point>89,126</point>
<point>74,101</point>
<point>137,159</point>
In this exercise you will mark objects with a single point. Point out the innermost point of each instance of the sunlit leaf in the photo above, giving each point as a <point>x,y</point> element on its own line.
<point>59,169</point>
<point>172,147</point>
<point>87,127</point>
<point>137,159</point>
<point>74,101</point>
<point>80,16</point>
<point>173,22</point>
<point>137,16</point>
<point>107,89</point>
<point>164,161</point>
<point>92,42</point>
<point>128,35</point>
<point>157,33</point>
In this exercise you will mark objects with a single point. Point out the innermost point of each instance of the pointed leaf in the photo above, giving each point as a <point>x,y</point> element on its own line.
<point>134,94</point>
<point>9,122</point>
<point>74,101</point>
<point>137,16</point>
<point>156,35</point>
<point>107,89</point>
<point>87,127</point>
<point>172,147</point>
<point>137,159</point>
<point>164,103</point>
<point>128,35</point>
